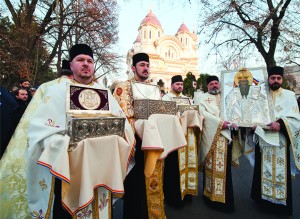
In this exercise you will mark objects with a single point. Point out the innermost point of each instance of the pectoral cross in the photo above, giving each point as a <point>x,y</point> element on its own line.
<point>209,100</point>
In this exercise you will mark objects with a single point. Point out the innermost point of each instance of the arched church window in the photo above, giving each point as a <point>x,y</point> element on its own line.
<point>186,41</point>
<point>150,34</point>
<point>144,34</point>
<point>158,33</point>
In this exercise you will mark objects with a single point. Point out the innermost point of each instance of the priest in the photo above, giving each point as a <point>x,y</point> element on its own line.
<point>176,88</point>
<point>277,152</point>
<point>135,203</point>
<point>48,146</point>
<point>13,163</point>
<point>216,150</point>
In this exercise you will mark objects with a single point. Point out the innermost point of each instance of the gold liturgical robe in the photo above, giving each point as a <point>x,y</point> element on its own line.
<point>153,165</point>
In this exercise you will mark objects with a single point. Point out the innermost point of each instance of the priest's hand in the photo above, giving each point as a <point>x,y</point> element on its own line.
<point>234,127</point>
<point>226,125</point>
<point>274,126</point>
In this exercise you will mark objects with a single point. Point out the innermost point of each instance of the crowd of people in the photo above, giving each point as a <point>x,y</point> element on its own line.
<point>15,102</point>
<point>36,169</point>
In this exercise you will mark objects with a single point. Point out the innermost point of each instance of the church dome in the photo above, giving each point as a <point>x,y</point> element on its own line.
<point>151,19</point>
<point>138,39</point>
<point>183,29</point>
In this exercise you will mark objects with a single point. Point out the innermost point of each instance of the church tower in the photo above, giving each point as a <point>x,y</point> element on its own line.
<point>169,55</point>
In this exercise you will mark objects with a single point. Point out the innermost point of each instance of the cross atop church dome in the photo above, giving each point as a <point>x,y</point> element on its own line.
<point>183,29</point>
<point>151,19</point>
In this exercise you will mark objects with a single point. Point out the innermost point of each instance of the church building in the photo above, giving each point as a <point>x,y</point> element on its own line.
<point>169,55</point>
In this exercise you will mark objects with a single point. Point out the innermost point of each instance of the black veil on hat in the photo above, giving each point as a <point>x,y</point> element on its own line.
<point>139,57</point>
<point>78,49</point>
<point>275,70</point>
<point>176,78</point>
<point>65,65</point>
<point>211,78</point>
<point>65,68</point>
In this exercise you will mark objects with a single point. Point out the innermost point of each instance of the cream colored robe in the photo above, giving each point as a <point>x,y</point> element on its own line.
<point>188,156</point>
<point>46,134</point>
<point>212,128</point>
<point>169,96</point>
<point>273,146</point>
<point>214,142</point>
<point>13,194</point>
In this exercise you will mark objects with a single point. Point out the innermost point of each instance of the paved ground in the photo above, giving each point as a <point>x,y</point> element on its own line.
<point>245,207</point>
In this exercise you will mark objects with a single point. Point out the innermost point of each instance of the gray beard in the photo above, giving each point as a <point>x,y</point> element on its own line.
<point>214,92</point>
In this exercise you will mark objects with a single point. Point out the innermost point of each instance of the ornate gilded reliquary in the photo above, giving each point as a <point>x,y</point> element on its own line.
<point>89,116</point>
<point>147,101</point>
<point>183,104</point>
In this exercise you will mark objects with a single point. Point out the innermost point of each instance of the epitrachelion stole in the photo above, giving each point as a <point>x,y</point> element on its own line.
<point>187,156</point>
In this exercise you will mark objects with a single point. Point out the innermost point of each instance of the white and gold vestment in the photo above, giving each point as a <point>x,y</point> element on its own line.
<point>274,147</point>
<point>214,148</point>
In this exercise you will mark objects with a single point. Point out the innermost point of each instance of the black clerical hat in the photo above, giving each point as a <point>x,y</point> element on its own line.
<point>79,49</point>
<point>176,78</point>
<point>139,57</point>
<point>211,78</point>
<point>275,70</point>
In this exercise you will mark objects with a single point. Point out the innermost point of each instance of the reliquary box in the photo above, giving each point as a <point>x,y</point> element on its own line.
<point>182,108</point>
<point>183,104</point>
<point>147,101</point>
<point>89,116</point>
<point>144,108</point>
<point>182,100</point>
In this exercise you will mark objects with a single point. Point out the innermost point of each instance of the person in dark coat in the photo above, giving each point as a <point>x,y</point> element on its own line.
<point>25,84</point>
<point>7,106</point>
<point>21,96</point>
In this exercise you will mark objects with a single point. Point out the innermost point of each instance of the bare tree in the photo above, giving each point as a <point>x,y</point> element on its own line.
<point>42,31</point>
<point>100,30</point>
<point>245,29</point>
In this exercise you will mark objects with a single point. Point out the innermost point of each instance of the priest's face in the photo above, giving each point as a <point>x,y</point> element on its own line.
<point>275,82</point>
<point>82,67</point>
<point>213,87</point>
<point>141,71</point>
<point>177,87</point>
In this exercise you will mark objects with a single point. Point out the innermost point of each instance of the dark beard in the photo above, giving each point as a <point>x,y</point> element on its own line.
<point>274,86</point>
<point>244,90</point>
<point>144,78</point>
